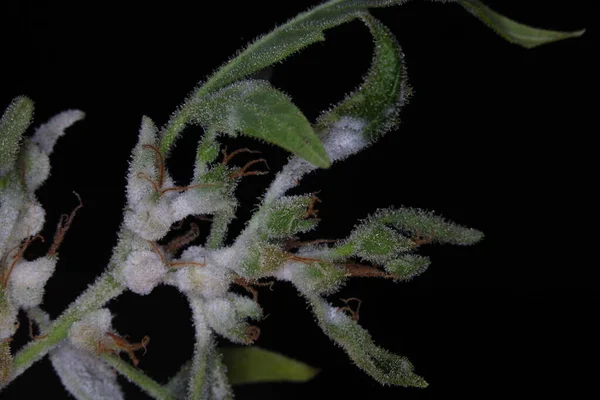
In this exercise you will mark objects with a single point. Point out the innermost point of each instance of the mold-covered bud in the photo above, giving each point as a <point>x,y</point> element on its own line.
<point>407,266</point>
<point>143,165</point>
<point>84,375</point>
<point>209,281</point>
<point>143,271</point>
<point>227,316</point>
<point>151,219</point>
<point>90,332</point>
<point>313,277</point>
<point>47,134</point>
<point>28,279</point>
<point>35,165</point>
<point>261,259</point>
<point>31,220</point>
<point>288,216</point>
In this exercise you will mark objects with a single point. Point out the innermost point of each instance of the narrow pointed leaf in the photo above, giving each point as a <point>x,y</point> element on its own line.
<point>256,365</point>
<point>13,124</point>
<point>256,109</point>
<point>512,31</point>
<point>385,367</point>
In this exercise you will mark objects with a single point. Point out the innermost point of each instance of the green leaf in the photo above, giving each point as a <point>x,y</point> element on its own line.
<point>427,226</point>
<point>256,109</point>
<point>299,32</point>
<point>13,124</point>
<point>256,365</point>
<point>384,90</point>
<point>513,31</point>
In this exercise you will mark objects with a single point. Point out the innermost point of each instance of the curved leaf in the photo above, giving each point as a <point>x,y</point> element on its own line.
<point>256,109</point>
<point>383,91</point>
<point>513,31</point>
<point>255,365</point>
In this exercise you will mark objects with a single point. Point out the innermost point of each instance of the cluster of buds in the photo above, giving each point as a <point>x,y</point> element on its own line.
<point>24,166</point>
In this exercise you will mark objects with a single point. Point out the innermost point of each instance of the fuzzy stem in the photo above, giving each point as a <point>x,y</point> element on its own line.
<point>104,289</point>
<point>136,376</point>
<point>218,229</point>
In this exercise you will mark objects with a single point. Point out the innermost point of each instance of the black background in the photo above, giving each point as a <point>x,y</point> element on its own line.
<point>496,137</point>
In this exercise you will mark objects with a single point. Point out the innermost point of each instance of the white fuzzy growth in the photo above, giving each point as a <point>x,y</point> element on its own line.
<point>31,221</point>
<point>37,166</point>
<point>84,375</point>
<point>47,134</point>
<point>209,282</point>
<point>27,281</point>
<point>345,138</point>
<point>191,202</point>
<point>143,161</point>
<point>91,330</point>
<point>150,219</point>
<point>8,320</point>
<point>143,271</point>
<point>222,317</point>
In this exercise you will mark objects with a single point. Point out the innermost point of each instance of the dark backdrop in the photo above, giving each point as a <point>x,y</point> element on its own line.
<point>494,138</point>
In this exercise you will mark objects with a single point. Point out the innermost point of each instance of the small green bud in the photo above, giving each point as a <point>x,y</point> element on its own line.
<point>288,216</point>
<point>407,266</point>
<point>13,124</point>
<point>378,243</point>
<point>262,259</point>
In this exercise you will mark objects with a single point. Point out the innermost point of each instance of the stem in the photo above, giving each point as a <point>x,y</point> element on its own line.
<point>136,376</point>
<point>104,289</point>
<point>203,347</point>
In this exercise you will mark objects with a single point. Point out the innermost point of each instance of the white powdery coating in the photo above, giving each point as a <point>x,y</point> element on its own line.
<point>191,202</point>
<point>47,134</point>
<point>91,330</point>
<point>150,219</point>
<point>345,138</point>
<point>31,221</point>
<point>144,161</point>
<point>84,375</point>
<point>37,166</point>
<point>209,282</point>
<point>27,281</point>
<point>143,271</point>
<point>222,317</point>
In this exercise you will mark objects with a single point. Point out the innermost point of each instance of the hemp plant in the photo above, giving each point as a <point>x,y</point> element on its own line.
<point>82,345</point>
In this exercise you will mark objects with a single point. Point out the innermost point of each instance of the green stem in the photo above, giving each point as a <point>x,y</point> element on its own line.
<point>136,376</point>
<point>104,289</point>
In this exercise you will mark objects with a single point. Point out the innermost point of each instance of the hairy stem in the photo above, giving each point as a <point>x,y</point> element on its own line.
<point>136,376</point>
<point>104,289</point>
